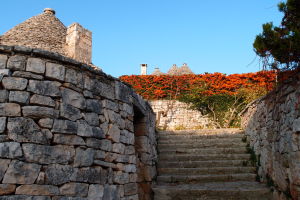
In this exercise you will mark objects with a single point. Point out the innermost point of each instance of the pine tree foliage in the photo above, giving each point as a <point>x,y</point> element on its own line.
<point>279,47</point>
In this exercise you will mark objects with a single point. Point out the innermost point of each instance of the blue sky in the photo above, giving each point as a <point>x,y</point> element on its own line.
<point>210,36</point>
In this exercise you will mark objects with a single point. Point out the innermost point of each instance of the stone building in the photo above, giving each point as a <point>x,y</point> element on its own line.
<point>174,70</point>
<point>47,32</point>
<point>68,130</point>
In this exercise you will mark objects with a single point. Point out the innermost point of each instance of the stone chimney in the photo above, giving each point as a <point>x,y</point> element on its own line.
<point>79,43</point>
<point>143,69</point>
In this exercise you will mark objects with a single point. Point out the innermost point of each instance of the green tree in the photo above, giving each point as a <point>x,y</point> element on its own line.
<point>279,47</point>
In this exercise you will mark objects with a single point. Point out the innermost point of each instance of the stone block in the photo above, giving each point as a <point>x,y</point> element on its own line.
<point>68,111</point>
<point>68,139</point>
<point>73,98</point>
<point>10,109</point>
<point>10,150</point>
<point>55,71</point>
<point>36,65</point>
<point>47,190</point>
<point>16,62</point>
<point>3,96</point>
<point>3,167</point>
<point>110,192</point>
<point>58,174</point>
<point>65,126</point>
<point>27,75</point>
<point>123,92</point>
<point>46,122</point>
<point>95,191</point>
<point>22,129</point>
<point>113,133</point>
<point>3,60</point>
<point>42,154</point>
<point>2,124</point>
<point>130,168</point>
<point>86,130</point>
<point>120,177</point>
<point>93,105</point>
<point>74,189</point>
<point>127,137</point>
<point>296,125</point>
<point>47,88</point>
<point>104,164</point>
<point>4,138</point>
<point>133,178</point>
<point>21,97</point>
<point>100,86</point>
<point>37,112</point>
<point>4,72</point>
<point>74,77</point>
<point>91,118</point>
<point>21,173</point>
<point>111,157</point>
<point>118,148</point>
<point>110,105</point>
<point>130,189</point>
<point>130,150</point>
<point>99,154</point>
<point>42,100</point>
<point>104,127</point>
<point>87,93</point>
<point>84,157</point>
<point>6,189</point>
<point>128,108</point>
<point>103,144</point>
<point>90,175</point>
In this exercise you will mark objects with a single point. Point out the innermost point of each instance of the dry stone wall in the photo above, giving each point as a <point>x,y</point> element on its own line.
<point>68,131</point>
<point>176,115</point>
<point>272,125</point>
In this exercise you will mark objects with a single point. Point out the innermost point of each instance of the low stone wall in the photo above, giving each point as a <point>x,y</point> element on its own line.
<point>272,125</point>
<point>175,115</point>
<point>69,131</point>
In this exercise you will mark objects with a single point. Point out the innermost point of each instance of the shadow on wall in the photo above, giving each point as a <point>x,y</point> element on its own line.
<point>145,154</point>
<point>272,126</point>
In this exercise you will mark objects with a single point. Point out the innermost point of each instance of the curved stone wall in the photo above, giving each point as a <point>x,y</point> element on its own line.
<point>272,125</point>
<point>69,131</point>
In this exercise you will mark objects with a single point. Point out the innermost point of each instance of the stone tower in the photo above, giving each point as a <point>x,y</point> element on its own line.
<point>79,43</point>
<point>143,69</point>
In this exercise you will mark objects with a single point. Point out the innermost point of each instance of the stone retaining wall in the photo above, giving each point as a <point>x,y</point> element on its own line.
<point>272,125</point>
<point>176,115</point>
<point>69,131</point>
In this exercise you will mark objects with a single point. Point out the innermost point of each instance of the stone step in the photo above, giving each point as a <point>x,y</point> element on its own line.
<point>194,179</point>
<point>205,170</point>
<point>199,137</point>
<point>203,132</point>
<point>201,157</point>
<point>197,164</point>
<point>202,144</point>
<point>239,190</point>
<point>199,140</point>
<point>238,150</point>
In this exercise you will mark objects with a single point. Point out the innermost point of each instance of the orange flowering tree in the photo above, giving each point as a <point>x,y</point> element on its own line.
<point>173,87</point>
<point>218,95</point>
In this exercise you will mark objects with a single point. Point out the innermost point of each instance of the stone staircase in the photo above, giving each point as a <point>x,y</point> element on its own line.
<point>206,165</point>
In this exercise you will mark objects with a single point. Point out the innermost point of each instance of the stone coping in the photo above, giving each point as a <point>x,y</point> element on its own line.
<point>57,57</point>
